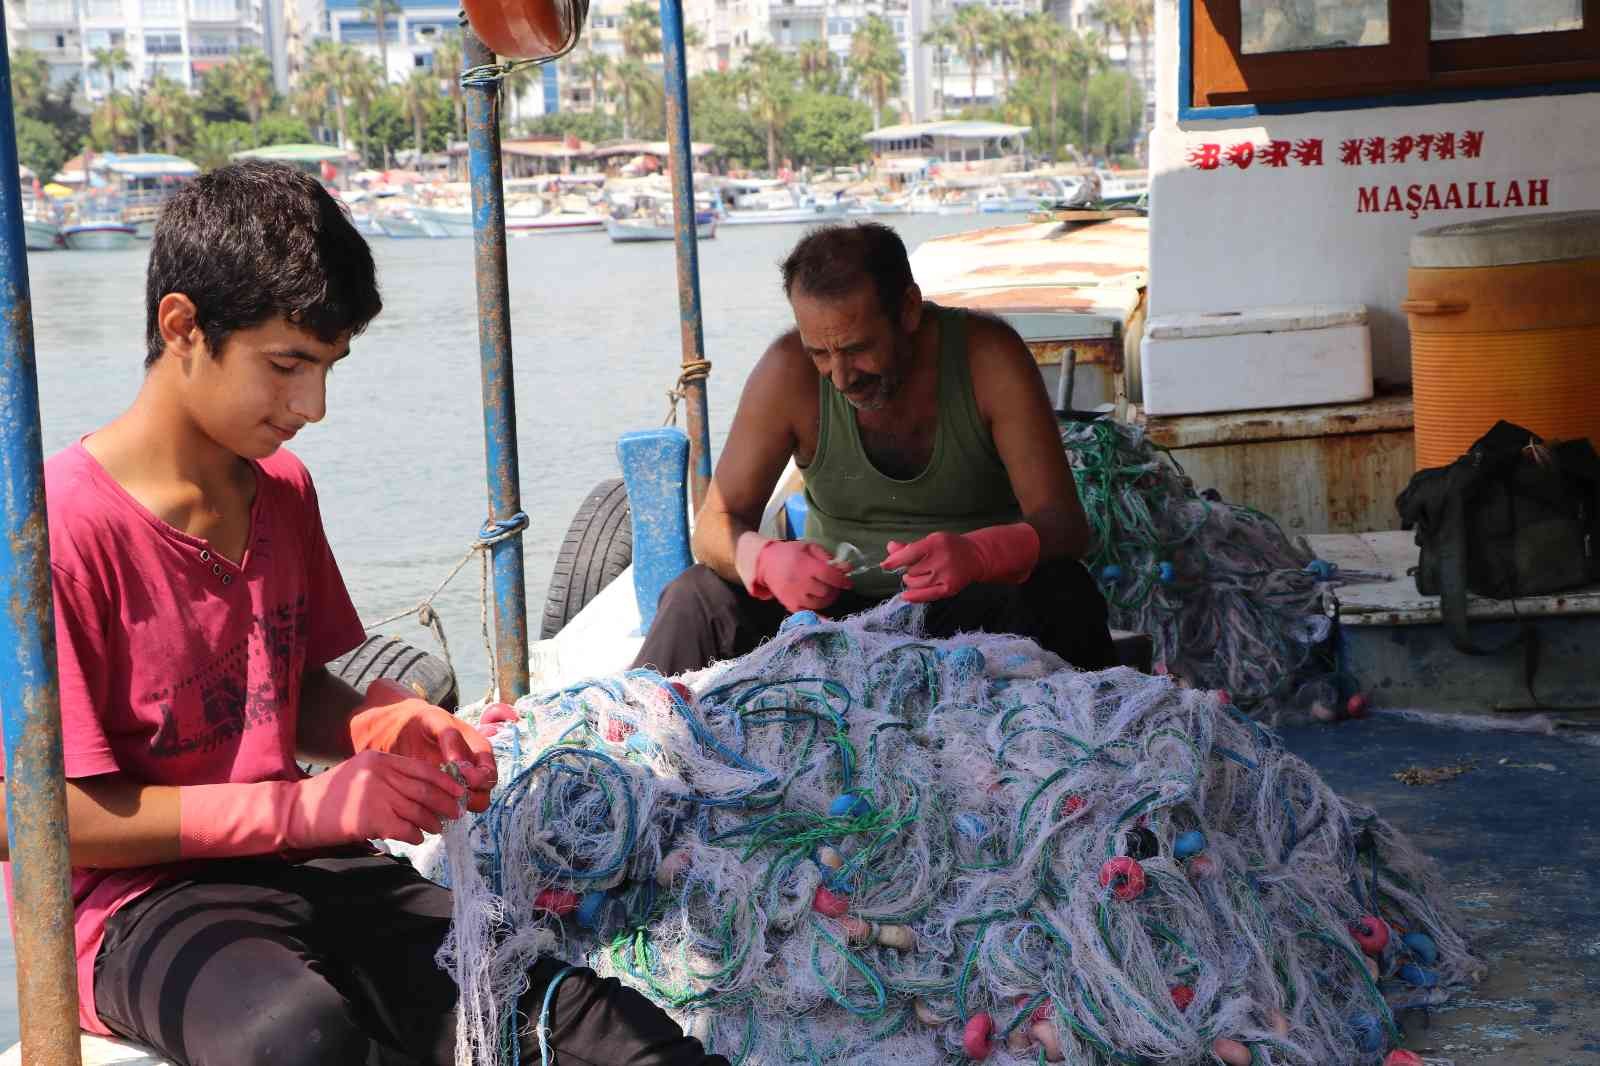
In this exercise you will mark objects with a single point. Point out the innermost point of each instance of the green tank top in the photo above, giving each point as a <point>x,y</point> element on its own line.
<point>964,486</point>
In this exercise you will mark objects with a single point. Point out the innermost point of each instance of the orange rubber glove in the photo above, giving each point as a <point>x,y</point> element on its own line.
<point>796,573</point>
<point>396,720</point>
<point>942,564</point>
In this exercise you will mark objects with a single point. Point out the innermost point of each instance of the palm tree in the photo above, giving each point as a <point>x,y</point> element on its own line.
<point>329,66</point>
<point>513,86</point>
<point>631,83</point>
<point>641,30</point>
<point>815,62</point>
<point>1045,44</point>
<point>365,84</point>
<point>772,94</point>
<point>940,38</point>
<point>416,93</point>
<point>1002,42</point>
<point>1119,19</point>
<point>378,12</point>
<point>875,61</point>
<point>1085,57</point>
<point>170,109</point>
<point>249,74</point>
<point>30,79</point>
<point>213,146</point>
<point>111,62</point>
<point>1144,25</point>
<point>447,65</point>
<point>111,121</point>
<point>592,66</point>
<point>972,35</point>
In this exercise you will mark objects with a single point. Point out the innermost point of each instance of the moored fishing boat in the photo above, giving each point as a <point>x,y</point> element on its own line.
<point>655,228</point>
<point>41,236</point>
<point>99,236</point>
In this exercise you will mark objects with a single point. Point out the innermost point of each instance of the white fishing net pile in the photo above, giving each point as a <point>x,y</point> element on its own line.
<point>980,787</point>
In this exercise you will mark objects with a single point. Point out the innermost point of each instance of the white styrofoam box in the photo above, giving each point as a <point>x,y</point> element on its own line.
<point>1258,357</point>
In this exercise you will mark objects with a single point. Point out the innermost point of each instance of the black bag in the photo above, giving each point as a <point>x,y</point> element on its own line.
<point>1513,517</point>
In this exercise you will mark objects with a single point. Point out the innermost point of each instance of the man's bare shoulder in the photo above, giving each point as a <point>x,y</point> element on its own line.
<point>782,368</point>
<point>996,351</point>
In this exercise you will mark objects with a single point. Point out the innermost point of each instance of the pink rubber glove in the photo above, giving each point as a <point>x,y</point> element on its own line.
<point>942,564</point>
<point>394,719</point>
<point>372,796</point>
<point>494,716</point>
<point>796,573</point>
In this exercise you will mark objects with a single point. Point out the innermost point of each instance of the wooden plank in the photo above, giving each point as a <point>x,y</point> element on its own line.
<point>1084,214</point>
<point>1391,413</point>
<point>1395,601</point>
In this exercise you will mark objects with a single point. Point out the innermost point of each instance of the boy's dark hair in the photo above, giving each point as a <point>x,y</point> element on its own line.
<point>833,261</point>
<point>252,241</point>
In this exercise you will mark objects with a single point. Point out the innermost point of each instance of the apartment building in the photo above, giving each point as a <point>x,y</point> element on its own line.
<point>181,39</point>
<point>412,31</point>
<point>730,28</point>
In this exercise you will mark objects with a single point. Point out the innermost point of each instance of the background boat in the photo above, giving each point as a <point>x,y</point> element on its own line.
<point>102,236</point>
<point>628,230</point>
<point>41,236</point>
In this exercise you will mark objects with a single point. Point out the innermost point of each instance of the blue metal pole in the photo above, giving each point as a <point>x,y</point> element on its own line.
<point>36,796</point>
<point>499,390</point>
<point>695,366</point>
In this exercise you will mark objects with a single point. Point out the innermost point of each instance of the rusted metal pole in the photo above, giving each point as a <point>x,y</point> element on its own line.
<point>499,391</point>
<point>686,235</point>
<point>36,796</point>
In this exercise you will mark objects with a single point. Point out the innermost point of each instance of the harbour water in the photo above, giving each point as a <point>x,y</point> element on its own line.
<point>398,462</point>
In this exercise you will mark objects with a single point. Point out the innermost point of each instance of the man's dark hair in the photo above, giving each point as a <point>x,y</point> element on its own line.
<point>832,261</point>
<point>252,241</point>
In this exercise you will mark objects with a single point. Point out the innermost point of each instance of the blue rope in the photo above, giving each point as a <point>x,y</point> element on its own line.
<point>545,1058</point>
<point>496,529</point>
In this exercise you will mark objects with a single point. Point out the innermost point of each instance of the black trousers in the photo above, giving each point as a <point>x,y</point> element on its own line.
<point>330,961</point>
<point>703,618</point>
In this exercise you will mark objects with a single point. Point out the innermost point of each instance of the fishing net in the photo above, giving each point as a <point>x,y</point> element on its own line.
<point>857,845</point>
<point>1230,602</point>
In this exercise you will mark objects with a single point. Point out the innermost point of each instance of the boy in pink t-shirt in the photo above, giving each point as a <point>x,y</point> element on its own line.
<point>229,909</point>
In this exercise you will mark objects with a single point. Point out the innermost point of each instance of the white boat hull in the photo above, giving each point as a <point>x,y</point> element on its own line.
<point>628,231</point>
<point>450,223</point>
<point>41,236</point>
<point>99,237</point>
<point>403,229</point>
<point>784,215</point>
<point>556,223</point>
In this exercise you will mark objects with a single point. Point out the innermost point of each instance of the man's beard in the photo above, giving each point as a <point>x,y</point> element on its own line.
<point>884,385</point>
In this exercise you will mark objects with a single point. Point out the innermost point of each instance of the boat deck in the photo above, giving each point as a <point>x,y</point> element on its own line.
<point>1517,838</point>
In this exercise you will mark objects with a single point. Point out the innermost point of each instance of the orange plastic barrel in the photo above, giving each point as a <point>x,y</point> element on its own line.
<point>1505,323</point>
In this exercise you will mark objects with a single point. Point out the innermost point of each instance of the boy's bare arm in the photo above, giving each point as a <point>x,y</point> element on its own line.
<point>322,734</point>
<point>117,822</point>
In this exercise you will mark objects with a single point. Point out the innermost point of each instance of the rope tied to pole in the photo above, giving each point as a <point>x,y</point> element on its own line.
<point>693,370</point>
<point>492,532</point>
<point>494,73</point>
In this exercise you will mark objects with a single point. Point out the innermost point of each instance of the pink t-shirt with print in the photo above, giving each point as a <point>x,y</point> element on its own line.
<point>180,667</point>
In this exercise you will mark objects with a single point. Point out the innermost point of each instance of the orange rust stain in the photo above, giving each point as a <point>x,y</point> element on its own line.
<point>1103,270</point>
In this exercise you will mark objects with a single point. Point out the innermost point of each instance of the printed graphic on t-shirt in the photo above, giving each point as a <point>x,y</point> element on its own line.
<point>244,686</point>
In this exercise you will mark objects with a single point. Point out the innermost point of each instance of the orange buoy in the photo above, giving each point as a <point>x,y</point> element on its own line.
<point>527,29</point>
<point>1504,325</point>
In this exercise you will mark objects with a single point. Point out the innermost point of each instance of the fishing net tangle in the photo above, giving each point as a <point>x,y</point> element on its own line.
<point>1229,600</point>
<point>857,845</point>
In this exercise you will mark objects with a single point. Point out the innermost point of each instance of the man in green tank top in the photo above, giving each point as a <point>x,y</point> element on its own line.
<point>926,441</point>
